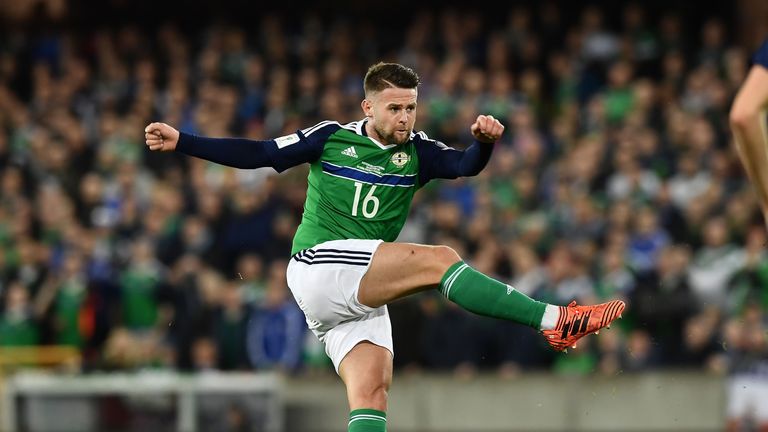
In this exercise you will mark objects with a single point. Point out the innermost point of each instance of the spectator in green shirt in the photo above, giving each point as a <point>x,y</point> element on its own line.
<point>66,292</point>
<point>139,284</point>
<point>17,323</point>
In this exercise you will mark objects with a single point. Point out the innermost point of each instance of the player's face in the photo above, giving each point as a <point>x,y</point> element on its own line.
<point>392,114</point>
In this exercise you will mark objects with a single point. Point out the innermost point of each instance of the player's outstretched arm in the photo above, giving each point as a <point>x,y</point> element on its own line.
<point>233,152</point>
<point>280,153</point>
<point>438,161</point>
<point>747,119</point>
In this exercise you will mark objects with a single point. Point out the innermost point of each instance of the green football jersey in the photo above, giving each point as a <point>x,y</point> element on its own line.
<point>359,188</point>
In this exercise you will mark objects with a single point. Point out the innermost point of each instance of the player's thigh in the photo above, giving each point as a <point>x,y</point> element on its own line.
<point>373,328</point>
<point>401,269</point>
<point>325,280</point>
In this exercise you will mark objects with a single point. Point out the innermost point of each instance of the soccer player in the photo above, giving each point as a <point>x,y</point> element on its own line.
<point>346,267</point>
<point>748,125</point>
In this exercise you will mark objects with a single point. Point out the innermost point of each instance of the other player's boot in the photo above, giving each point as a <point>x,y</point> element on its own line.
<point>576,322</point>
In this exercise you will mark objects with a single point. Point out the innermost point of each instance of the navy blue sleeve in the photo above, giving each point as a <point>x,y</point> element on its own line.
<point>760,56</point>
<point>436,160</point>
<point>279,153</point>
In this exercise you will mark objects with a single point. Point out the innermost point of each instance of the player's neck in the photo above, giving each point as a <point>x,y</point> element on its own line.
<point>370,131</point>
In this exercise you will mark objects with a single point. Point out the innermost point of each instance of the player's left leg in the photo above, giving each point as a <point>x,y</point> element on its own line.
<point>401,269</point>
<point>367,374</point>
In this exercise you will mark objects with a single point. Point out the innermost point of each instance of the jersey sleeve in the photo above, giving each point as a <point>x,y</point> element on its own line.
<point>437,160</point>
<point>280,153</point>
<point>760,57</point>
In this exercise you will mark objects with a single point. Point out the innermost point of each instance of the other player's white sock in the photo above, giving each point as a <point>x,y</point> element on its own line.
<point>549,320</point>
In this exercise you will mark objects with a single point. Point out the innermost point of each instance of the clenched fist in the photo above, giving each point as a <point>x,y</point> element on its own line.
<point>161,137</point>
<point>487,129</point>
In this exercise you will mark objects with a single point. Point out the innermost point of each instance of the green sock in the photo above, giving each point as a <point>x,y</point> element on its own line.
<point>367,420</point>
<point>482,295</point>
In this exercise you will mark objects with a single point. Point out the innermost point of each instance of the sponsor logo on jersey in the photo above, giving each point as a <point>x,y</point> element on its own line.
<point>350,151</point>
<point>287,140</point>
<point>400,159</point>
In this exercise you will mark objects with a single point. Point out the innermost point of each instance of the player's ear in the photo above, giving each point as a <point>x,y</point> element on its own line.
<point>367,107</point>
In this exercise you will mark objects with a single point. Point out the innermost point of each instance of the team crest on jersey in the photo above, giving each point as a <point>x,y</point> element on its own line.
<point>400,159</point>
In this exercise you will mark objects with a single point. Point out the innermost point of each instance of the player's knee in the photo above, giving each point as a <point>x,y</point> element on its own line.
<point>379,394</point>
<point>373,395</point>
<point>444,257</point>
<point>739,117</point>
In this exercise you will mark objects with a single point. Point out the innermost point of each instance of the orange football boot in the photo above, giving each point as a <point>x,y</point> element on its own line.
<point>576,322</point>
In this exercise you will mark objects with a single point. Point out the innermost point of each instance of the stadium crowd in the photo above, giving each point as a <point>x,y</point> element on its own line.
<point>616,178</point>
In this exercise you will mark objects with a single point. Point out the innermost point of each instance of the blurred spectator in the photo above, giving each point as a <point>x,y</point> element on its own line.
<point>747,286</point>
<point>567,280</point>
<point>63,299</point>
<point>646,241</point>
<point>18,326</point>
<point>612,352</point>
<point>689,182</point>
<point>714,264</point>
<point>663,302</point>
<point>619,97</point>
<point>643,40</point>
<point>702,346</point>
<point>640,355</point>
<point>275,335</point>
<point>616,278</point>
<point>631,181</point>
<point>229,327</point>
<point>139,284</point>
<point>527,268</point>
<point>250,271</point>
<point>204,355</point>
<point>448,344</point>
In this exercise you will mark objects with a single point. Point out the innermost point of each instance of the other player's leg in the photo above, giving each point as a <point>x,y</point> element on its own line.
<point>747,119</point>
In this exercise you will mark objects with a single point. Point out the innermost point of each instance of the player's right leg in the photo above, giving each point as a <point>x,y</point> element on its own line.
<point>324,281</point>
<point>367,374</point>
<point>401,269</point>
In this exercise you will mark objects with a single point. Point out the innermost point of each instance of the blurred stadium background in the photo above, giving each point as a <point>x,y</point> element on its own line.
<point>146,291</point>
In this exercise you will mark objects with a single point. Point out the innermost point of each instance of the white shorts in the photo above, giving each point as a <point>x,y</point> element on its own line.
<point>324,281</point>
<point>748,397</point>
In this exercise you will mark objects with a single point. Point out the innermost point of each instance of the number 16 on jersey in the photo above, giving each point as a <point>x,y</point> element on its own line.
<point>368,201</point>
